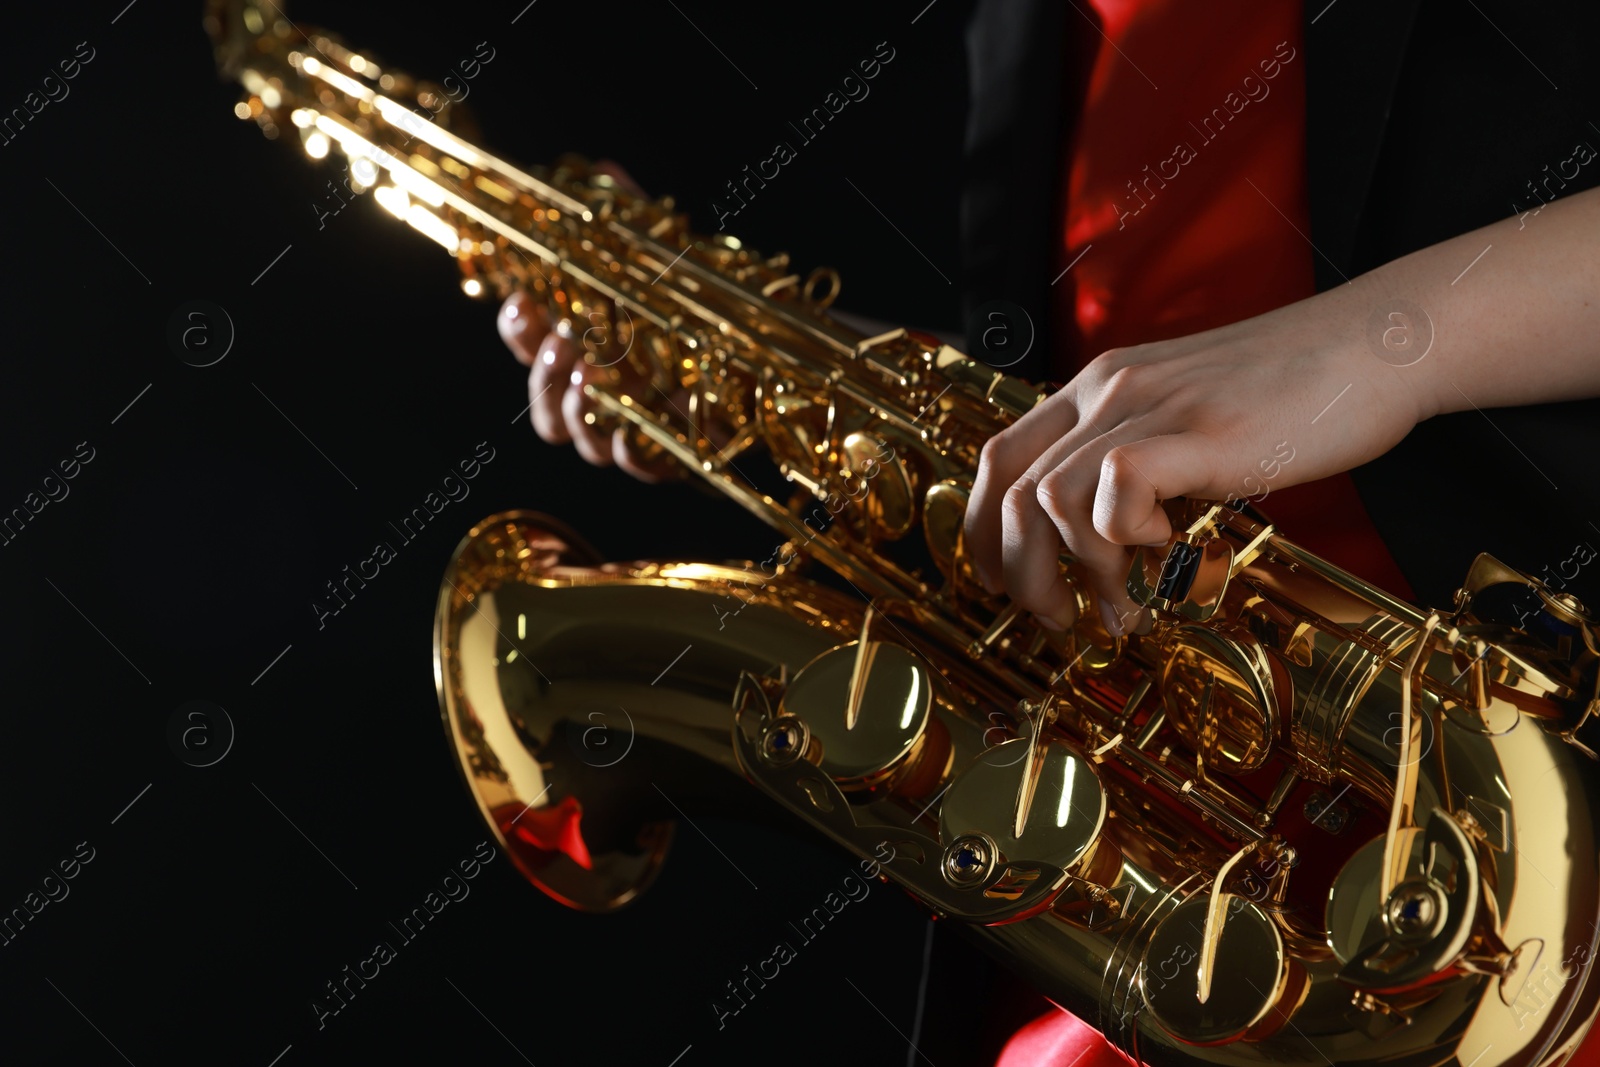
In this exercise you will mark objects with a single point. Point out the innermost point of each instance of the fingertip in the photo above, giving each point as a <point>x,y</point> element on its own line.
<point>622,455</point>
<point>521,323</point>
<point>970,540</point>
<point>1055,607</point>
<point>592,445</point>
<point>975,522</point>
<point>546,389</point>
<point>544,411</point>
<point>598,455</point>
<point>514,311</point>
<point>1111,618</point>
<point>513,331</point>
<point>620,175</point>
<point>1121,617</point>
<point>557,353</point>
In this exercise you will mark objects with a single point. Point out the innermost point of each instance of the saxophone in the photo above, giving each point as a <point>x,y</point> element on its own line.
<point>1299,821</point>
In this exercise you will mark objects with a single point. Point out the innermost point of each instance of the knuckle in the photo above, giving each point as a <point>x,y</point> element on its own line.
<point>1127,384</point>
<point>1018,499</point>
<point>995,450</point>
<point>1055,494</point>
<point>1107,362</point>
<point>1117,466</point>
<point>1113,523</point>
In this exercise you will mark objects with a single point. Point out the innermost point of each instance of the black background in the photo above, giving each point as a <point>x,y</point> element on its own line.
<point>188,553</point>
<point>220,500</point>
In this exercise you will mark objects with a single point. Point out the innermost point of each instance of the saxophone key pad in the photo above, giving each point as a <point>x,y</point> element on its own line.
<point>1057,824</point>
<point>1251,975</point>
<point>865,712</point>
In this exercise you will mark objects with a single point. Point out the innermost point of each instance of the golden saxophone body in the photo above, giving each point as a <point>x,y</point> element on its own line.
<point>1299,821</point>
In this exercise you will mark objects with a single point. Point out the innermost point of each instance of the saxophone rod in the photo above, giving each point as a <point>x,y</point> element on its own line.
<point>1350,583</point>
<point>763,507</point>
<point>389,109</point>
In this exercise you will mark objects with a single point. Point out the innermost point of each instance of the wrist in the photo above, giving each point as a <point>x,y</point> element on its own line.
<point>1397,327</point>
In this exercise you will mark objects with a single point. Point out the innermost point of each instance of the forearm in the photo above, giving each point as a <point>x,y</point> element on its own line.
<point>1511,311</point>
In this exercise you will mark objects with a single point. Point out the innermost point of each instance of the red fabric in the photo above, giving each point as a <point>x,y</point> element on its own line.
<point>1186,209</point>
<point>1175,225</point>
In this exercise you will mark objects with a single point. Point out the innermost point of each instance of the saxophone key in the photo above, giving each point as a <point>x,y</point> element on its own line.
<point>862,712</point>
<point>1263,983</point>
<point>1037,802</point>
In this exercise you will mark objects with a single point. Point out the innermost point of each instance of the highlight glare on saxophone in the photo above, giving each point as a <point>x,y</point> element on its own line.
<point>1299,821</point>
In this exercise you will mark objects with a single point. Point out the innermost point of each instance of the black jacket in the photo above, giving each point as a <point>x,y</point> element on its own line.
<point>1425,119</point>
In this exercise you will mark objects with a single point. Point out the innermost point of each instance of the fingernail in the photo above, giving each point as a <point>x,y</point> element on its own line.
<point>1049,624</point>
<point>512,322</point>
<point>1108,615</point>
<point>548,349</point>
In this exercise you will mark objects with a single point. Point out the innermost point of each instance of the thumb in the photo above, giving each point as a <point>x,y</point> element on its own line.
<point>1135,478</point>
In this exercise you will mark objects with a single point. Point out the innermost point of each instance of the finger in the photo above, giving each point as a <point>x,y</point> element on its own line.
<point>649,472</point>
<point>1066,495</point>
<point>645,463</point>
<point>1030,558</point>
<point>592,444</point>
<point>522,323</point>
<point>1006,457</point>
<point>1136,477</point>
<point>552,373</point>
<point>625,447</point>
<point>1031,541</point>
<point>622,177</point>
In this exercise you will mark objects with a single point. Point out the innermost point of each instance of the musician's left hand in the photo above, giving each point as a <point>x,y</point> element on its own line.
<point>1328,377</point>
<point>558,371</point>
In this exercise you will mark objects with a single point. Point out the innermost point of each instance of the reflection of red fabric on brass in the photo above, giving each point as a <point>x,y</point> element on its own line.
<point>552,829</point>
